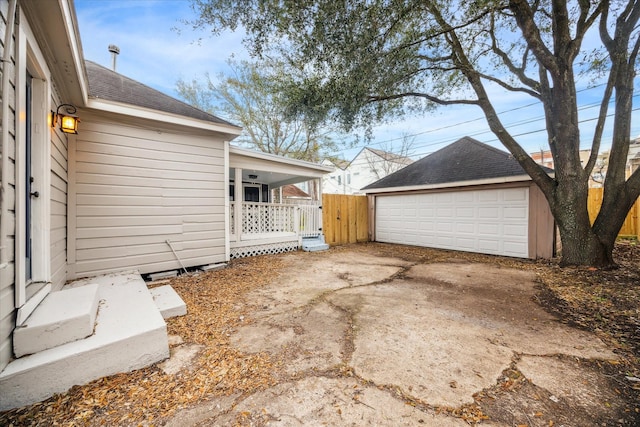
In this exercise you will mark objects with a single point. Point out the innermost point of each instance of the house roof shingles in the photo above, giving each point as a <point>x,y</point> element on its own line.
<point>291,190</point>
<point>111,86</point>
<point>465,160</point>
<point>391,157</point>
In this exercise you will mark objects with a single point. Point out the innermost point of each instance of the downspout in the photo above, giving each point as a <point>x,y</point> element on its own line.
<point>4,190</point>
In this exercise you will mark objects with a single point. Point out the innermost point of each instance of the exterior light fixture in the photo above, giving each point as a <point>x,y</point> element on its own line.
<point>67,119</point>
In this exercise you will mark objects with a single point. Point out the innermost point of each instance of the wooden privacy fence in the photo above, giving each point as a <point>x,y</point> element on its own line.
<point>344,219</point>
<point>631,226</point>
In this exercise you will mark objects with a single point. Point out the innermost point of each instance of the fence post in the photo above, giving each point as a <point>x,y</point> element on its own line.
<point>296,222</point>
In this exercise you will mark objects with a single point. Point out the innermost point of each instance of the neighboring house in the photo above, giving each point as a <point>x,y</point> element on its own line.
<point>633,158</point>
<point>467,196</point>
<point>147,184</point>
<point>335,182</point>
<point>543,157</point>
<point>368,166</point>
<point>292,194</point>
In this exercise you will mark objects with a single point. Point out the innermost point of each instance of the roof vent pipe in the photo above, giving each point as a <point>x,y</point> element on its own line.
<point>115,51</point>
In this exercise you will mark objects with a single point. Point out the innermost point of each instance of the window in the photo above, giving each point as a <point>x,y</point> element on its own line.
<point>251,193</point>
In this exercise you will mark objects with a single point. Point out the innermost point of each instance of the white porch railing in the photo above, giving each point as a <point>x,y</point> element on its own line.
<point>273,218</point>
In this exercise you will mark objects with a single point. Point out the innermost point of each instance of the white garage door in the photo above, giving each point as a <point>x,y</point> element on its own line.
<point>484,221</point>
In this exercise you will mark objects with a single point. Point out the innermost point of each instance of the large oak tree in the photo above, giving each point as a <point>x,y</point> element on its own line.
<point>373,59</point>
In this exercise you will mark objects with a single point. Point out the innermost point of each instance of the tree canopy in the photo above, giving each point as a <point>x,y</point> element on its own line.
<point>249,95</point>
<point>368,60</point>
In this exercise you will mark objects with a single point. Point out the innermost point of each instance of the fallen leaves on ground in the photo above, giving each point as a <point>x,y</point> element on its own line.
<point>607,302</point>
<point>216,304</point>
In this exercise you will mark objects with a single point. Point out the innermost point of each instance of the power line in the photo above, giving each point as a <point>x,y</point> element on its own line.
<point>448,140</point>
<point>481,118</point>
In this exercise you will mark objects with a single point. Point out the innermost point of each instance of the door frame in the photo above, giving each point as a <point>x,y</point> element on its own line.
<point>29,59</point>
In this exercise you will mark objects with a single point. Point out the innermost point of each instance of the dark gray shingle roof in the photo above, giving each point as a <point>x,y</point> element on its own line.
<point>465,160</point>
<point>109,85</point>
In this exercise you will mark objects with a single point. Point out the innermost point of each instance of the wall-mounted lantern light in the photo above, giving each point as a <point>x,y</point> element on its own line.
<point>67,120</point>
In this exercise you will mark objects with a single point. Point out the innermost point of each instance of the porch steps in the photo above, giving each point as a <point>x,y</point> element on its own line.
<point>168,301</point>
<point>62,317</point>
<point>130,333</point>
<point>314,244</point>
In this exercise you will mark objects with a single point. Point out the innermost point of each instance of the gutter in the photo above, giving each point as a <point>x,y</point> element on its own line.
<point>4,190</point>
<point>499,180</point>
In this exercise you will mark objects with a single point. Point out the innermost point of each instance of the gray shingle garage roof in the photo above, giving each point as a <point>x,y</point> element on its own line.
<point>465,160</point>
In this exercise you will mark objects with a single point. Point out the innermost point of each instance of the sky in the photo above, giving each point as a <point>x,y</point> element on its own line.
<point>157,48</point>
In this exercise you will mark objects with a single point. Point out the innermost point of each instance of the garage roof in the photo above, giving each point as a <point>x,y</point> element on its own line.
<point>465,160</point>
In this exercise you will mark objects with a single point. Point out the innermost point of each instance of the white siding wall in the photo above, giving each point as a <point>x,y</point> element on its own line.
<point>7,275</point>
<point>132,187</point>
<point>58,239</point>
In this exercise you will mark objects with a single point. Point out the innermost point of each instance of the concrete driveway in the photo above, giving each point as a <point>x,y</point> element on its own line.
<point>371,340</point>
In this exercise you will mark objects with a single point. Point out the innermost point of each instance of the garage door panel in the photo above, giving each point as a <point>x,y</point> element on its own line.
<point>444,197</point>
<point>517,194</point>
<point>515,230</point>
<point>488,196</point>
<point>466,228</point>
<point>426,212</point>
<point>464,196</point>
<point>466,212</point>
<point>486,221</point>
<point>465,244</point>
<point>488,212</point>
<point>445,212</point>
<point>489,246</point>
<point>519,212</point>
<point>488,229</point>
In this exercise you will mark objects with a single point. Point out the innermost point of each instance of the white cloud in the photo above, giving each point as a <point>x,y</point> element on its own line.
<point>151,50</point>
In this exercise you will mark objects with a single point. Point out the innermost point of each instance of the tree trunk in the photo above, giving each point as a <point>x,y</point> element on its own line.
<point>585,248</point>
<point>581,244</point>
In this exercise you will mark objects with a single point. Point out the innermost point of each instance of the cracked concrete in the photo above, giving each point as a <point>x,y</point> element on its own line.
<point>369,340</point>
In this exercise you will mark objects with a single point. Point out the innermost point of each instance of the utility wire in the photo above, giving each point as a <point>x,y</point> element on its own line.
<point>481,118</point>
<point>449,140</point>
<point>487,131</point>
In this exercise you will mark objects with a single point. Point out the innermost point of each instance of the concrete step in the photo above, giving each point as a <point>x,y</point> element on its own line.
<point>130,333</point>
<point>64,316</point>
<point>314,244</point>
<point>168,301</point>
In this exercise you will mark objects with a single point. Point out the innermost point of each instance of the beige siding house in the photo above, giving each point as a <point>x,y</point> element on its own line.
<point>133,189</point>
<point>148,184</point>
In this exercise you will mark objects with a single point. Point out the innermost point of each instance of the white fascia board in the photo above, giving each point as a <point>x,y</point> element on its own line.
<point>279,159</point>
<point>73,35</point>
<point>147,113</point>
<point>499,180</point>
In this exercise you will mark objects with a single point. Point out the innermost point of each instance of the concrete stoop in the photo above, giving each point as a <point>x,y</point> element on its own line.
<point>314,244</point>
<point>130,333</point>
<point>62,317</point>
<point>168,301</point>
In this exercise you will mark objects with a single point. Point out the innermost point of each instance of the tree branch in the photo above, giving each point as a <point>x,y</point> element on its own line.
<point>518,71</point>
<point>510,87</point>
<point>439,101</point>
<point>531,33</point>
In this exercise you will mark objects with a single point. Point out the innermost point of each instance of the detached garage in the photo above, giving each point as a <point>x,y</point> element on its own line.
<point>467,196</point>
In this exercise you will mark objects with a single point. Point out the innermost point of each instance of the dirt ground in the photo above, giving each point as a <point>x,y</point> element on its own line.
<point>388,335</point>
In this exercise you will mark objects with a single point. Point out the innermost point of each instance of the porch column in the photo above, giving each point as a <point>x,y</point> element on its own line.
<point>320,213</point>
<point>238,197</point>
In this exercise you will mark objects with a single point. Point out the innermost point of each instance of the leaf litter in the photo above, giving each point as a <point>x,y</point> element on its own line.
<point>604,301</point>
